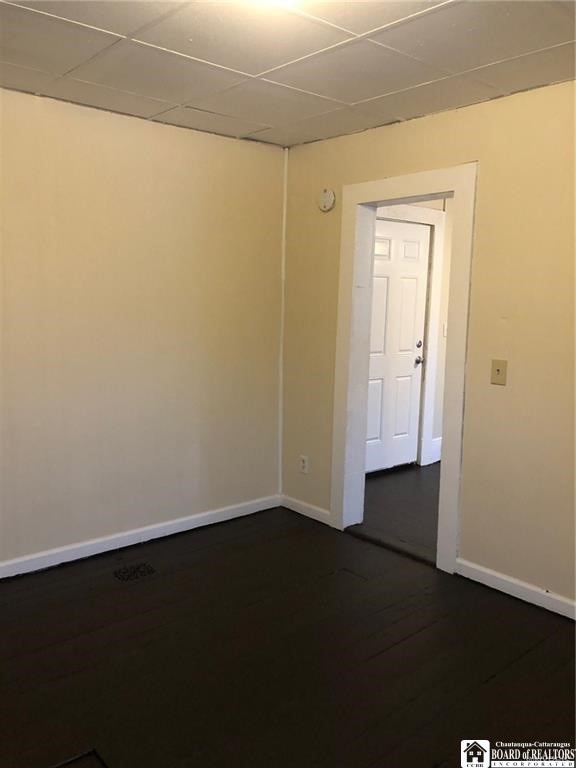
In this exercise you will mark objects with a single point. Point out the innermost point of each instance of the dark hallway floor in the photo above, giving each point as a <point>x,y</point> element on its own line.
<point>271,641</point>
<point>401,510</point>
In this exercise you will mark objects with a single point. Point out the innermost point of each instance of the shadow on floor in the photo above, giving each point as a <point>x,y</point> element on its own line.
<point>401,510</point>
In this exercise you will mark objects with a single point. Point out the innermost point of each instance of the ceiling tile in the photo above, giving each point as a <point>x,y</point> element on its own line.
<point>469,34</point>
<point>360,17</point>
<point>31,39</point>
<point>120,16</point>
<point>208,121</point>
<point>248,37</point>
<point>344,121</point>
<point>550,66</point>
<point>355,72</point>
<point>450,93</point>
<point>93,95</point>
<point>500,46</point>
<point>159,74</point>
<point>267,103</point>
<point>23,79</point>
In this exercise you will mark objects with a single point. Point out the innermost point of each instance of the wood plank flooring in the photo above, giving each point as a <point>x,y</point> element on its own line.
<point>85,761</point>
<point>272,641</point>
<point>401,510</point>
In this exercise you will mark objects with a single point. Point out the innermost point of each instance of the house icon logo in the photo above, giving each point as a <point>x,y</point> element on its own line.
<point>475,753</point>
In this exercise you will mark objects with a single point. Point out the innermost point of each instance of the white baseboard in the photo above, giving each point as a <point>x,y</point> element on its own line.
<point>40,560</point>
<point>521,589</point>
<point>48,558</point>
<point>309,510</point>
<point>432,453</point>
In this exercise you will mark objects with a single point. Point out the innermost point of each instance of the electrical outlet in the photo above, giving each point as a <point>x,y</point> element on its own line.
<point>304,463</point>
<point>498,372</point>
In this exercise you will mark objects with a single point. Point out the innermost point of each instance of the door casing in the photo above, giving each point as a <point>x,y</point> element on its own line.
<point>359,204</point>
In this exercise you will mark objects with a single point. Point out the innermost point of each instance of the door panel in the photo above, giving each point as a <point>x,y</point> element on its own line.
<point>402,406</point>
<point>411,251</point>
<point>379,314</point>
<point>399,282</point>
<point>375,391</point>
<point>382,247</point>
<point>407,312</point>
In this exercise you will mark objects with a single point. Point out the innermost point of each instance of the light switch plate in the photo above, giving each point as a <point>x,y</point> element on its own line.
<point>499,372</point>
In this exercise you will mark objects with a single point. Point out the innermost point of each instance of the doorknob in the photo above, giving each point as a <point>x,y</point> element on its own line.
<point>419,360</point>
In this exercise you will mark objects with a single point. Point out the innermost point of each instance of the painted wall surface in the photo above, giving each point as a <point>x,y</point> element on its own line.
<point>517,481</point>
<point>140,322</point>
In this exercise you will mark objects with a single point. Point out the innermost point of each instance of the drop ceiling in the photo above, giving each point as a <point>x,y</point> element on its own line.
<point>283,72</point>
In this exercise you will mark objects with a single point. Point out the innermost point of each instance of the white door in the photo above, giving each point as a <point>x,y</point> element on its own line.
<point>399,279</point>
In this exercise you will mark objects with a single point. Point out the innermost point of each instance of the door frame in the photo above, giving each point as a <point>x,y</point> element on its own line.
<point>429,447</point>
<point>359,204</point>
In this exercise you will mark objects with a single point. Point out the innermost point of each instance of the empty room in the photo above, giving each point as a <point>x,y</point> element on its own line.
<point>283,481</point>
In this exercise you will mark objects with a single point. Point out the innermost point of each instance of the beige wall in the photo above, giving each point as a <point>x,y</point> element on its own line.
<point>140,320</point>
<point>518,503</point>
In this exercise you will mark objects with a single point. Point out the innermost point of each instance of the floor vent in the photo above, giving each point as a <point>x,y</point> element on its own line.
<point>133,572</point>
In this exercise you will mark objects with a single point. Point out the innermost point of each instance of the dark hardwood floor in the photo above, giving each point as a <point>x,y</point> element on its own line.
<point>272,642</point>
<point>84,761</point>
<point>401,510</point>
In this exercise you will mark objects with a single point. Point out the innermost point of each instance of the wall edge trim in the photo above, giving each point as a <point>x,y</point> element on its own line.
<point>523,590</point>
<point>46,559</point>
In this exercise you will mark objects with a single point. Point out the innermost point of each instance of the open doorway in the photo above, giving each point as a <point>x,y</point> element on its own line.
<point>360,204</point>
<point>409,320</point>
